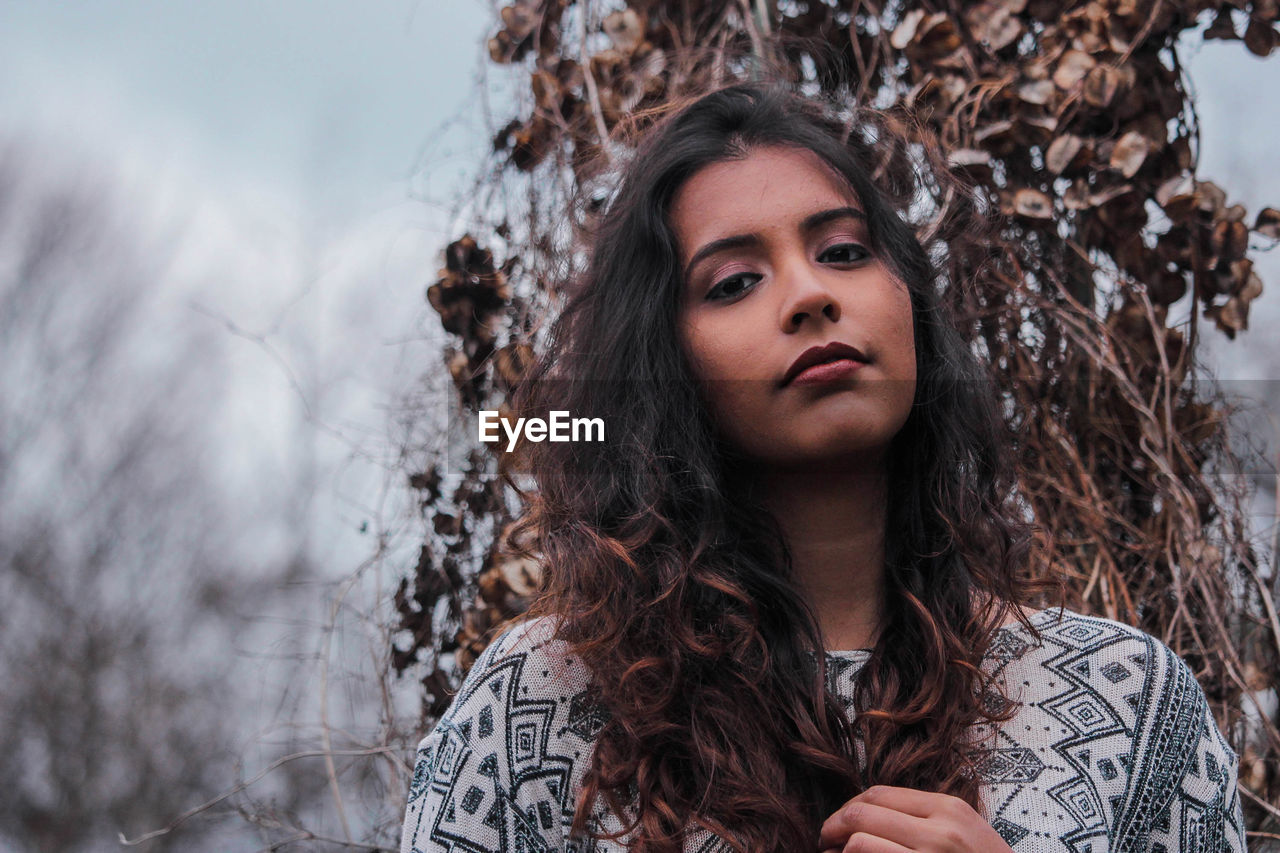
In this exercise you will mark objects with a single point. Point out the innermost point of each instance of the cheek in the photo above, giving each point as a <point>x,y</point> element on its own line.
<point>717,359</point>
<point>703,348</point>
<point>903,331</point>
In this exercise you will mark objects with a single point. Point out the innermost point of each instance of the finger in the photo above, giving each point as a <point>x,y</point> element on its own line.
<point>911,801</point>
<point>857,817</point>
<point>860,842</point>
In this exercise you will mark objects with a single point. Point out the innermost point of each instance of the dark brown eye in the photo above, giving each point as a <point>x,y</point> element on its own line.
<point>844,253</point>
<point>734,285</point>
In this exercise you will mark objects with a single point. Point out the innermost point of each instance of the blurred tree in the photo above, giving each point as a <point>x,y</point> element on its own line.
<point>124,594</point>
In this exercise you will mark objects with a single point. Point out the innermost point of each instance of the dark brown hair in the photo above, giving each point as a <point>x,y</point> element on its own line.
<point>676,591</point>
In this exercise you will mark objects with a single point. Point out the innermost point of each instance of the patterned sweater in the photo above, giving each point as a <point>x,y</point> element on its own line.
<point>1113,748</point>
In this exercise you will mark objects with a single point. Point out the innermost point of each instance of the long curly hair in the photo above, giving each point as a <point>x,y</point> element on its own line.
<point>676,589</point>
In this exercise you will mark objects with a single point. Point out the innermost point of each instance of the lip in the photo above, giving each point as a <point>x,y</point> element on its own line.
<point>836,351</point>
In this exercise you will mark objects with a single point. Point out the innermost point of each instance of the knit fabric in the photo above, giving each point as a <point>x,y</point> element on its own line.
<point>1113,748</point>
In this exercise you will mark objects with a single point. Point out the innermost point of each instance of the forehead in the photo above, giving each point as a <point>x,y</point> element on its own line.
<point>770,188</point>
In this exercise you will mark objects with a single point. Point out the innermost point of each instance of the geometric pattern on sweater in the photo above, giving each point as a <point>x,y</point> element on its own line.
<point>1113,749</point>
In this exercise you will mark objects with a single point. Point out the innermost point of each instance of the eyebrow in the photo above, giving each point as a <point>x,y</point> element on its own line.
<point>737,241</point>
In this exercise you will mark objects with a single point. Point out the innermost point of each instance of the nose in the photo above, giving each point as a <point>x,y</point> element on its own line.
<point>807,296</point>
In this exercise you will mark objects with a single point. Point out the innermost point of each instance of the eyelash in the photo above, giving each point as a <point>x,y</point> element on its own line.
<point>737,276</point>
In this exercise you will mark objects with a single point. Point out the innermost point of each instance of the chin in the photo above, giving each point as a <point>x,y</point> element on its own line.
<point>822,454</point>
<point>832,432</point>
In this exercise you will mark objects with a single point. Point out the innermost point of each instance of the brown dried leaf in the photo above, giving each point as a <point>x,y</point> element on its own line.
<point>994,24</point>
<point>1241,272</point>
<point>1268,223</point>
<point>941,90</point>
<point>1174,246</point>
<point>1167,287</point>
<point>460,368</point>
<point>1032,204</point>
<point>1103,196</point>
<point>1222,27</point>
<point>1119,213</point>
<point>1255,770</point>
<point>1037,92</point>
<point>1090,42</point>
<point>1101,85</point>
<point>491,585</point>
<point>1130,153</point>
<point>1219,281</point>
<point>1181,148</point>
<point>971,161</point>
<point>1180,206</point>
<point>1233,316</point>
<point>1037,130</point>
<point>1062,153</point>
<point>923,92</point>
<point>1198,422</point>
<point>1126,8</point>
<point>1072,68</point>
<point>520,574</point>
<point>446,524</point>
<point>644,79</point>
<point>1177,197</point>
<point>519,18</point>
<point>512,361</point>
<point>501,48</point>
<point>996,137</point>
<point>1153,127</point>
<point>959,61</point>
<point>953,87</point>
<point>1229,240</point>
<point>625,29</point>
<point>1077,195</point>
<point>1131,253</point>
<point>1036,68</point>
<point>569,73</point>
<point>426,481</point>
<point>546,89</point>
<point>1260,37</point>
<point>1251,289</point>
<point>936,36</point>
<point>1212,197</point>
<point>906,29</point>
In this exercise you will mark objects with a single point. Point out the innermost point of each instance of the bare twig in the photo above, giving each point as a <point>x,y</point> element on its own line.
<point>240,786</point>
<point>589,78</point>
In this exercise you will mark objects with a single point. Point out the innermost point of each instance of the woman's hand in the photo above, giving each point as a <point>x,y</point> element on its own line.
<point>884,819</point>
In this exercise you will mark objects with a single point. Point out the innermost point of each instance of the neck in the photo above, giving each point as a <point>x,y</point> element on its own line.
<point>834,523</point>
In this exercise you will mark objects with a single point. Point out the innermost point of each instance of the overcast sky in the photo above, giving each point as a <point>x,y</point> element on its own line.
<point>324,100</point>
<point>283,133</point>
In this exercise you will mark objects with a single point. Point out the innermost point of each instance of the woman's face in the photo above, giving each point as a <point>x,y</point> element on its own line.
<point>777,261</point>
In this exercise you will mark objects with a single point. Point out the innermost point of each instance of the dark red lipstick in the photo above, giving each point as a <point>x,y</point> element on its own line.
<point>836,354</point>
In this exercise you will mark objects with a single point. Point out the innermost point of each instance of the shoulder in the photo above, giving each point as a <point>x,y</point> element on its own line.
<point>1101,673</point>
<point>524,674</point>
<point>498,764</point>
<point>1130,724</point>
<point>1090,648</point>
<point>529,649</point>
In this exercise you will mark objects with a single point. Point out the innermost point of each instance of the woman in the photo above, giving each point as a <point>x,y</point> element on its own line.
<point>801,456</point>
